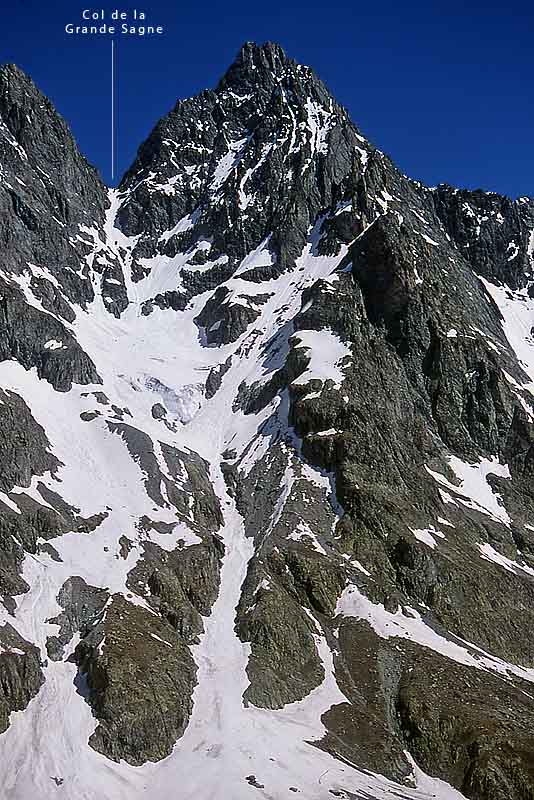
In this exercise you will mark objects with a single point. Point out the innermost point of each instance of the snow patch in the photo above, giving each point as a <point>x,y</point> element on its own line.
<point>474,490</point>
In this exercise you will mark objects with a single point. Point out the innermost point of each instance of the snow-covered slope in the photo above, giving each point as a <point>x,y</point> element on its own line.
<point>266,509</point>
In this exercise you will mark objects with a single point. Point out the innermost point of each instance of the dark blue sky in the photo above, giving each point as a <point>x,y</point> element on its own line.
<point>445,90</point>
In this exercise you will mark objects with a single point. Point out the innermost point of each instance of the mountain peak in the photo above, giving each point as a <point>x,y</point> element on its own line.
<point>37,127</point>
<point>261,141</point>
<point>256,64</point>
<point>17,87</point>
<point>251,48</point>
<point>19,97</point>
<point>12,70</point>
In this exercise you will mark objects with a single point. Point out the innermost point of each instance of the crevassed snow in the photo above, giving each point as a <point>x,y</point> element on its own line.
<point>182,404</point>
<point>224,741</point>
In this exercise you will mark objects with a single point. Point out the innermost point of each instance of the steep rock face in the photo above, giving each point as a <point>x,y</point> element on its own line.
<point>494,233</point>
<point>271,152</point>
<point>82,605</point>
<point>20,671</point>
<point>48,195</point>
<point>140,677</point>
<point>267,439</point>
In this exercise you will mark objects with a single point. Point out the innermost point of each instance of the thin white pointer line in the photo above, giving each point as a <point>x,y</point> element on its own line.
<point>112,109</point>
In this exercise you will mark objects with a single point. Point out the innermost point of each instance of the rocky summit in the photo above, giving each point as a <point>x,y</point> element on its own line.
<point>266,461</point>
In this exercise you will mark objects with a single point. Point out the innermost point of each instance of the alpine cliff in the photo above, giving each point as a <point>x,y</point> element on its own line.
<point>266,461</point>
